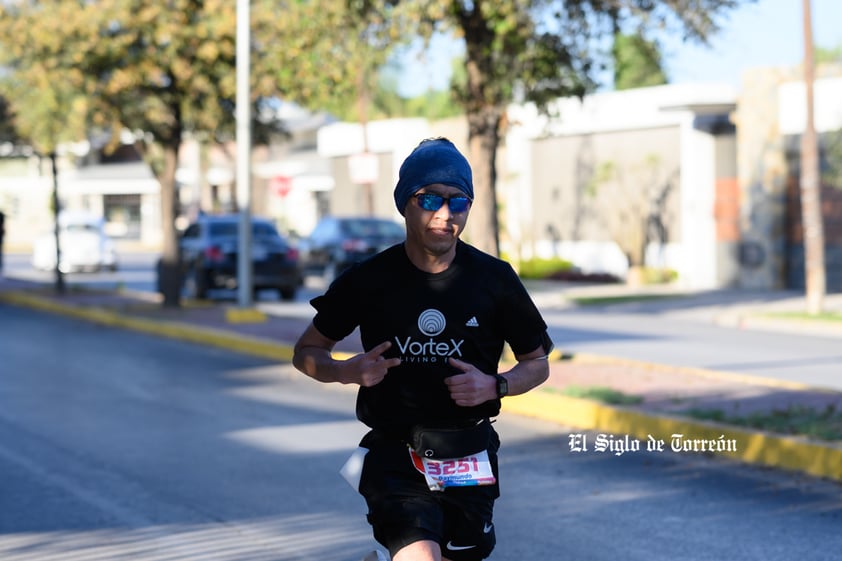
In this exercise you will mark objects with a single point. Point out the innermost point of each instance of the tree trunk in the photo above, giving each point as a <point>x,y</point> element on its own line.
<point>811,214</point>
<point>205,200</point>
<point>170,273</point>
<point>60,286</point>
<point>483,140</point>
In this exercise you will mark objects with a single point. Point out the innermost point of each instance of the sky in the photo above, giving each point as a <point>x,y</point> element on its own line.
<point>767,33</point>
<point>764,33</point>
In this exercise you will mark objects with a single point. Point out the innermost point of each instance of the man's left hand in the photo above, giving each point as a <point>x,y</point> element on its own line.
<point>471,387</point>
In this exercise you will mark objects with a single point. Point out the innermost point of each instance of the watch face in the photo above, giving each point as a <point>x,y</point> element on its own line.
<point>502,386</point>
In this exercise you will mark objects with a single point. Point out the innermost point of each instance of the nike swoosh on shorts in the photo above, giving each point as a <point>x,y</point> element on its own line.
<point>452,547</point>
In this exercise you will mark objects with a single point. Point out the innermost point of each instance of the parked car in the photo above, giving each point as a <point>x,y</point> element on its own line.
<point>338,242</point>
<point>208,251</point>
<point>83,242</point>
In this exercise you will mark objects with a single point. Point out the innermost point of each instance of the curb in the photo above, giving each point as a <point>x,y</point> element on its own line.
<point>172,329</point>
<point>748,446</point>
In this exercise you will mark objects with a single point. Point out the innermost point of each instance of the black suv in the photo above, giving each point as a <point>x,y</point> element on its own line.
<point>338,242</point>
<point>208,251</point>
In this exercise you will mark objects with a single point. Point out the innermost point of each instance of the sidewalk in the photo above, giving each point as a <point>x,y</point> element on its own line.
<point>666,392</point>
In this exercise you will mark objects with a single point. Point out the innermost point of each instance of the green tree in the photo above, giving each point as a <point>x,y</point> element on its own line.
<point>387,103</point>
<point>154,70</point>
<point>534,51</point>
<point>45,109</point>
<point>637,62</point>
<point>828,55</point>
<point>433,104</point>
<point>8,132</point>
<point>322,54</point>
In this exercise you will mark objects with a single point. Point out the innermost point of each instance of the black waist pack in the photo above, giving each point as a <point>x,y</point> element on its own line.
<point>447,443</point>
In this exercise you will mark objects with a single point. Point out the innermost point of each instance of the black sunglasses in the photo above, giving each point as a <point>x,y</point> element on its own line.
<point>433,202</point>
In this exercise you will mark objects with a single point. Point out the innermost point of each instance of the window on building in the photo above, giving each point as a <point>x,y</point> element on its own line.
<point>122,216</point>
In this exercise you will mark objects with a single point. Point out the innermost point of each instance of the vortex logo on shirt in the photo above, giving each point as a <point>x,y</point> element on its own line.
<point>431,322</point>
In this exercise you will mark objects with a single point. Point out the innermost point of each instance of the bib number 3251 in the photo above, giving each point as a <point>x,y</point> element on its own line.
<point>456,472</point>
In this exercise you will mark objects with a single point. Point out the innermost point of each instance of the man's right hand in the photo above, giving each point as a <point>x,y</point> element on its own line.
<point>369,369</point>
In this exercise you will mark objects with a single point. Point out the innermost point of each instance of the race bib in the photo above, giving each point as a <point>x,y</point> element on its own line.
<point>457,472</point>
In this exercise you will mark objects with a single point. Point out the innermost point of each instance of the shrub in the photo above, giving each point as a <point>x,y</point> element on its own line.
<point>652,275</point>
<point>538,268</point>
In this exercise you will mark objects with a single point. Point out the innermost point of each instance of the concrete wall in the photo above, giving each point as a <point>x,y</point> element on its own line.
<point>602,186</point>
<point>636,169</point>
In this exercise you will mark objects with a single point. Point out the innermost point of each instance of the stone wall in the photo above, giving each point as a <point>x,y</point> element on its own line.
<point>770,252</point>
<point>761,173</point>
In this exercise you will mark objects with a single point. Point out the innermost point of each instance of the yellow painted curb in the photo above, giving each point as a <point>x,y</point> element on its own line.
<point>175,330</point>
<point>792,453</point>
<point>244,315</point>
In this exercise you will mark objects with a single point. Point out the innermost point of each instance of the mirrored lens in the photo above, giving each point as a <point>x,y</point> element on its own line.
<point>430,201</point>
<point>433,202</point>
<point>459,204</point>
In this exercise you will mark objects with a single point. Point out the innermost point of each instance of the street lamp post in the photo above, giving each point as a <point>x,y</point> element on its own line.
<point>243,117</point>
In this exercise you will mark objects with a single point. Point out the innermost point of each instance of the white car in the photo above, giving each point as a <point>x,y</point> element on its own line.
<point>84,245</point>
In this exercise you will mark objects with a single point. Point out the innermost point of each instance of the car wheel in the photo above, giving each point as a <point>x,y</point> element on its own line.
<point>287,293</point>
<point>196,284</point>
<point>158,281</point>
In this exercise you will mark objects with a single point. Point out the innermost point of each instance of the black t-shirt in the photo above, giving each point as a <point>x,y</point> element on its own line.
<point>467,312</point>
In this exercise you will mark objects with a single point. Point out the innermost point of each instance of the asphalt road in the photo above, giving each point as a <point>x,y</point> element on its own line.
<point>671,337</point>
<point>679,332</point>
<point>117,445</point>
<point>136,272</point>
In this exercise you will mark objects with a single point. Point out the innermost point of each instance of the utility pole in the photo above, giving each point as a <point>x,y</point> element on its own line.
<point>362,105</point>
<point>243,117</point>
<point>811,214</point>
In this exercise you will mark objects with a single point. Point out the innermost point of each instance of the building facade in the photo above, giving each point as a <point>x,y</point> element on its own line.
<point>699,179</point>
<point>627,179</point>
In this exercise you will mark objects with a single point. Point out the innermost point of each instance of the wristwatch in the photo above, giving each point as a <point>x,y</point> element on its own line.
<point>502,386</point>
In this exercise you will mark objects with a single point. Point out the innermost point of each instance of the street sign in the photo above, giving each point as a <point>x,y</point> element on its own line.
<point>281,185</point>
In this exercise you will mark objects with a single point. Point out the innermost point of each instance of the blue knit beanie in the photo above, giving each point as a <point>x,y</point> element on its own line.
<point>435,160</point>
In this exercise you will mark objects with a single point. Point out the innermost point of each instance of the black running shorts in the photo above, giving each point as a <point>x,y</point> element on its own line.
<point>403,510</point>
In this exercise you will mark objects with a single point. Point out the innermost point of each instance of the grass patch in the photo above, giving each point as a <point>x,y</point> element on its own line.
<point>803,316</point>
<point>602,394</point>
<point>652,275</point>
<point>824,424</point>
<point>537,268</point>
<point>608,300</point>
